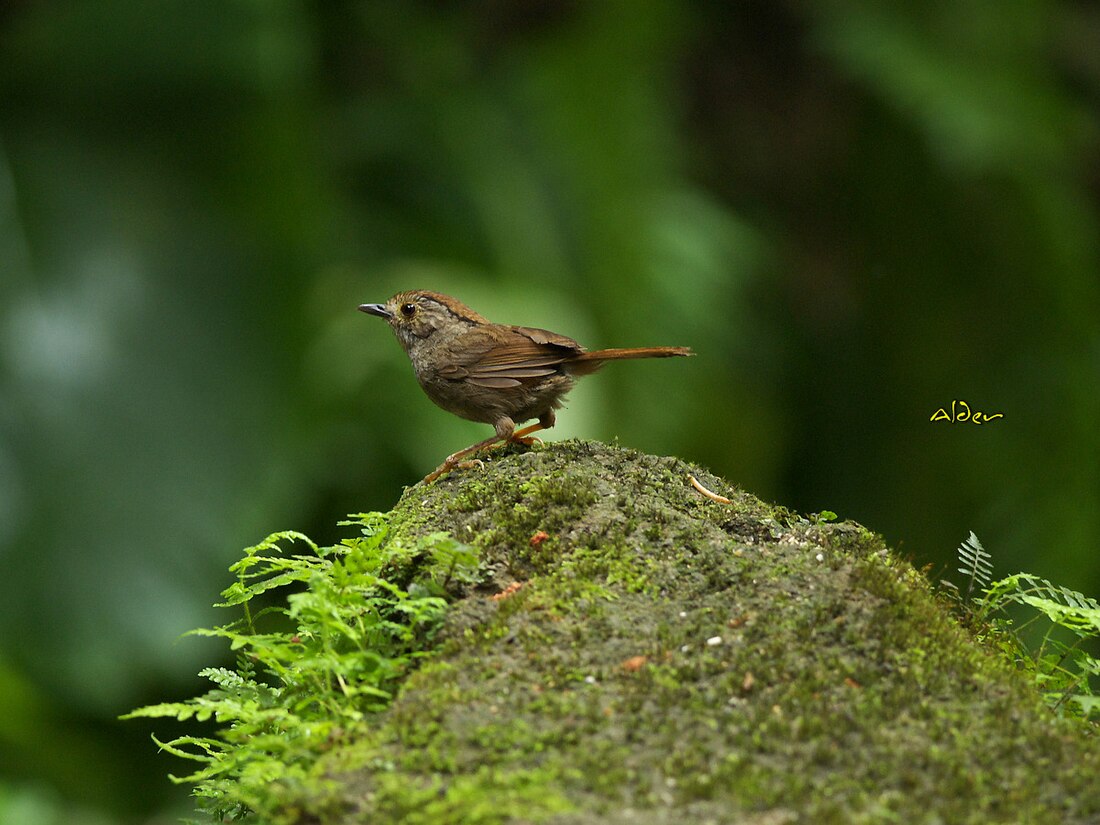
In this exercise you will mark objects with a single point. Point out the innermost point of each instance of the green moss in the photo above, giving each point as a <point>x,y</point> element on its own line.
<point>484,796</point>
<point>673,659</point>
<point>841,690</point>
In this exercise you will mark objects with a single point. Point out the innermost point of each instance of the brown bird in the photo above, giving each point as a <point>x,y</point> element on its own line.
<point>494,373</point>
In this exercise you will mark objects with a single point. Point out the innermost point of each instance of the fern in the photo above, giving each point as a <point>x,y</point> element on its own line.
<point>1065,673</point>
<point>315,667</point>
<point>977,564</point>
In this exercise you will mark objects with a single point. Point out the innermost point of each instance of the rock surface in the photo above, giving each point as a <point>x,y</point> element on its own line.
<point>654,656</point>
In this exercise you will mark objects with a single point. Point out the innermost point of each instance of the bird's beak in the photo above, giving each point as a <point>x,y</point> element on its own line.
<point>376,309</point>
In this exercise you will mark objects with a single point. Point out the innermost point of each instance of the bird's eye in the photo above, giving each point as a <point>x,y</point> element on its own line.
<point>408,310</point>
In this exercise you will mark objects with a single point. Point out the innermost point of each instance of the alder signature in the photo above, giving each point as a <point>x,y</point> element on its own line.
<point>960,412</point>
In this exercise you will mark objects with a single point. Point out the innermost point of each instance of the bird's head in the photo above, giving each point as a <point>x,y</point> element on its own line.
<point>419,314</point>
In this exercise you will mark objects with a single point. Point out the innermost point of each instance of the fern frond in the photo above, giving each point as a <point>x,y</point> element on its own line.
<point>977,564</point>
<point>1064,673</point>
<point>316,663</point>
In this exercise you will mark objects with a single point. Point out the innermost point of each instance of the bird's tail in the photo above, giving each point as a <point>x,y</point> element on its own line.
<point>592,361</point>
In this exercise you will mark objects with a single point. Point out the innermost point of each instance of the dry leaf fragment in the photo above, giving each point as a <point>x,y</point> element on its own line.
<point>711,495</point>
<point>507,591</point>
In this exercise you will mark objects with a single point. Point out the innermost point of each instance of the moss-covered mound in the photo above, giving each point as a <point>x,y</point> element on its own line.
<point>670,658</point>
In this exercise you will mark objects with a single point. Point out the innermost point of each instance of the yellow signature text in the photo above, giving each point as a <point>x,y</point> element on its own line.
<point>961,412</point>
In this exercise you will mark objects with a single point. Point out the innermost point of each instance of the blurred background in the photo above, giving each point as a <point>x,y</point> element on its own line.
<point>856,212</point>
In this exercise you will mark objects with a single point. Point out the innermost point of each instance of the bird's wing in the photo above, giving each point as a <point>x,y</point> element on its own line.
<point>508,356</point>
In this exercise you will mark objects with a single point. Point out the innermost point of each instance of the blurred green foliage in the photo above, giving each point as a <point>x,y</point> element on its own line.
<point>855,211</point>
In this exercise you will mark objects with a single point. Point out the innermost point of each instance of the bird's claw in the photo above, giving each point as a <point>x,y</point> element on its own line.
<point>449,465</point>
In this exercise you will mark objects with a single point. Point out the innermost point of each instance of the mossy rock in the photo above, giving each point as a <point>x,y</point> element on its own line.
<point>667,658</point>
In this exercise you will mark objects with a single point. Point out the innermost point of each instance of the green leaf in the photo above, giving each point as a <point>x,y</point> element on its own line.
<point>325,659</point>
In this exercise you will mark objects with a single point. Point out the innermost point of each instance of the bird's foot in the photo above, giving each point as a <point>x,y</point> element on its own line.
<point>447,466</point>
<point>524,436</point>
<point>455,460</point>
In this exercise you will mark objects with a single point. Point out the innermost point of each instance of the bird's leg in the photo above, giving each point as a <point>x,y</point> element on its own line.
<point>545,422</point>
<point>455,459</point>
<point>506,434</point>
<point>504,427</point>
